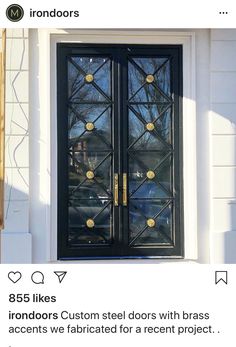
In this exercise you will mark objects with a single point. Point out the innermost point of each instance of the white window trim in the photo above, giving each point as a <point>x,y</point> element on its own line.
<point>46,75</point>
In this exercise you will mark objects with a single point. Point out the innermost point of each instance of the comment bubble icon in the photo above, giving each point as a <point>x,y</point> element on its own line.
<point>37,277</point>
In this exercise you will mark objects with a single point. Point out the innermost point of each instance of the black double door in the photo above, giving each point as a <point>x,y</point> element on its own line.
<point>119,151</point>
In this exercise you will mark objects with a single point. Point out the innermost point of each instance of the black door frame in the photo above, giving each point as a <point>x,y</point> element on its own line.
<point>120,248</point>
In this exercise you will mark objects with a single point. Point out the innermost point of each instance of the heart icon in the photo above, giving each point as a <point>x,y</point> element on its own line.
<point>14,276</point>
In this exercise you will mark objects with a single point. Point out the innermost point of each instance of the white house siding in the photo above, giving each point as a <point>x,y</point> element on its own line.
<point>216,96</point>
<point>223,136</point>
<point>16,239</point>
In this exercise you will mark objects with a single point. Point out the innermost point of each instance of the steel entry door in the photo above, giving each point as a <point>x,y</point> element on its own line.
<point>119,151</point>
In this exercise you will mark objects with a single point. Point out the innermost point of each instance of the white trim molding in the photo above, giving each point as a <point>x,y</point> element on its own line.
<point>43,126</point>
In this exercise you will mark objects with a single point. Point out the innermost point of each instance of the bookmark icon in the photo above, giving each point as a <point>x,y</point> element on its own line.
<point>221,276</point>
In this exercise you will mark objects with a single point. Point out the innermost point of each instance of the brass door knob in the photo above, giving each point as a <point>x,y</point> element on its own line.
<point>149,78</point>
<point>150,174</point>
<point>89,126</point>
<point>151,223</point>
<point>90,175</point>
<point>89,78</point>
<point>90,223</point>
<point>150,126</point>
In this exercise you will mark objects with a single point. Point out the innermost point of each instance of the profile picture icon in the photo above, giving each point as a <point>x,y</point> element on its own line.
<point>14,13</point>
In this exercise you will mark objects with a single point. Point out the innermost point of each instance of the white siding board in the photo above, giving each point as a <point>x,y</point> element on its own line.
<point>223,56</point>
<point>223,247</point>
<point>17,151</point>
<point>16,241</point>
<point>16,248</point>
<point>17,33</point>
<point>16,216</point>
<point>224,215</point>
<point>17,86</point>
<point>223,87</point>
<point>17,184</point>
<point>224,150</point>
<point>223,34</point>
<point>17,50</point>
<point>223,142</point>
<point>17,119</point>
<point>224,182</point>
<point>223,118</point>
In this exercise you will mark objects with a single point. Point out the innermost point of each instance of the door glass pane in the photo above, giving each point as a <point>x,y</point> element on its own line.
<point>99,89</point>
<point>80,211</point>
<point>159,169</point>
<point>150,65</point>
<point>160,212</point>
<point>97,138</point>
<point>141,138</point>
<point>139,88</point>
<point>90,152</point>
<point>150,151</point>
<point>142,114</point>
<point>80,176</point>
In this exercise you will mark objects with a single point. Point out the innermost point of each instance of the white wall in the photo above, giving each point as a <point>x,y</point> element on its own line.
<point>203,143</point>
<point>223,138</point>
<point>29,215</point>
<point>15,238</point>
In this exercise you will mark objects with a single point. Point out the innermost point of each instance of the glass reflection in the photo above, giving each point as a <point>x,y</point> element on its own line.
<point>142,187</point>
<point>81,162</point>
<point>161,233</point>
<point>80,211</point>
<point>158,114</point>
<point>151,65</point>
<point>140,138</point>
<point>78,89</point>
<point>89,149</point>
<point>159,90</point>
<point>79,137</point>
<point>149,190</point>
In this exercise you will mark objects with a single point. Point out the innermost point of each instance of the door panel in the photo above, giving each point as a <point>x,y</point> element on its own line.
<point>150,149</point>
<point>90,102</point>
<point>119,116</point>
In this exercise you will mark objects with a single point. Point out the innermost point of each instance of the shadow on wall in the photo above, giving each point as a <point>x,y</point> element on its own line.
<point>16,205</point>
<point>224,182</point>
<point>229,247</point>
<point>15,237</point>
<point>230,236</point>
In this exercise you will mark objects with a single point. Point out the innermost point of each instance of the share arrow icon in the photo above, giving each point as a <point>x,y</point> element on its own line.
<point>60,275</point>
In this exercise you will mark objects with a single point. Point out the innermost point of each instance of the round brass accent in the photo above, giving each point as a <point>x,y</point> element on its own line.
<point>90,175</point>
<point>151,223</point>
<point>149,78</point>
<point>150,174</point>
<point>89,126</point>
<point>89,78</point>
<point>150,126</point>
<point>90,223</point>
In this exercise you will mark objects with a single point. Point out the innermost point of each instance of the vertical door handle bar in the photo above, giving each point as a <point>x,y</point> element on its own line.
<point>124,189</point>
<point>116,189</point>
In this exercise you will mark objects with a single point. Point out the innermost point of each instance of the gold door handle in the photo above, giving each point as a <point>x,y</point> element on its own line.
<point>124,189</point>
<point>116,190</point>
